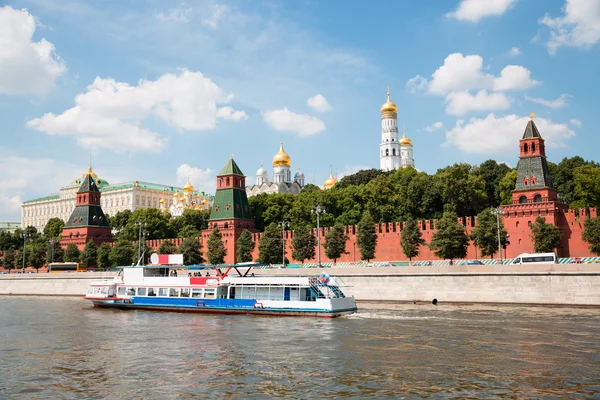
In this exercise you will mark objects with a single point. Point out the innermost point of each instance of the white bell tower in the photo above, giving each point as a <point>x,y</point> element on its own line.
<point>389,149</point>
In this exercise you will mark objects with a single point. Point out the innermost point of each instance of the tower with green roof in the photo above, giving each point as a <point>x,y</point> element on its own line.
<point>230,210</point>
<point>87,221</point>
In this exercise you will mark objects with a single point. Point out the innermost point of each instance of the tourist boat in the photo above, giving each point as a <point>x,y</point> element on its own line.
<point>231,289</point>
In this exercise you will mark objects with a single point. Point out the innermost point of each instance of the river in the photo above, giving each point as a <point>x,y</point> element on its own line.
<point>63,348</point>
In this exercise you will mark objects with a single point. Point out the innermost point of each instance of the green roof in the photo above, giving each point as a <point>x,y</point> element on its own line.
<point>231,168</point>
<point>230,203</point>
<point>51,197</point>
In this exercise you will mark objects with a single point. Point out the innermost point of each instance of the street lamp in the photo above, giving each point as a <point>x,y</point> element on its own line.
<point>52,243</point>
<point>25,235</point>
<point>283,224</point>
<point>318,210</point>
<point>140,224</point>
<point>498,212</point>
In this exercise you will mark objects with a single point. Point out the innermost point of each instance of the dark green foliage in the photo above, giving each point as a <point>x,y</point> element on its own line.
<point>492,173</point>
<point>587,186</point>
<point>507,185</point>
<point>335,243</point>
<point>411,239</point>
<point>89,255</point>
<point>245,247</point>
<point>216,250</point>
<point>120,220</point>
<point>367,238</point>
<point>485,234</point>
<point>36,255</point>
<point>9,241</point>
<point>72,253</point>
<point>191,249</point>
<point>360,178</point>
<point>167,247</point>
<point>155,224</point>
<point>303,243</point>
<point>57,256</point>
<point>591,234</point>
<point>546,237</point>
<point>270,247</point>
<point>122,253</point>
<point>9,260</point>
<point>103,256</point>
<point>54,227</point>
<point>450,241</point>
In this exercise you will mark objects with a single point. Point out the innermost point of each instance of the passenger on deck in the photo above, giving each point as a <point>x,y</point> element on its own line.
<point>207,274</point>
<point>174,273</point>
<point>189,274</point>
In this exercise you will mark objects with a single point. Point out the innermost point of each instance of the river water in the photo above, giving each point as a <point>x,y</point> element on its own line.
<point>63,348</point>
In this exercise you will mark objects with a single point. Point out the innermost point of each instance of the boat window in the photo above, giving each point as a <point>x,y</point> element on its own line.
<point>104,290</point>
<point>196,292</point>
<point>174,292</point>
<point>141,291</point>
<point>130,291</point>
<point>152,291</point>
<point>164,292</point>
<point>185,292</point>
<point>209,293</point>
<point>121,291</point>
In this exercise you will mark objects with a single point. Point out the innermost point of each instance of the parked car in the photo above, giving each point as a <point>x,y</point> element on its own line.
<point>474,262</point>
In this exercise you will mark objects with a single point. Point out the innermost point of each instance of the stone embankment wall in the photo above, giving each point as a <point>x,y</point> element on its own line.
<point>565,284</point>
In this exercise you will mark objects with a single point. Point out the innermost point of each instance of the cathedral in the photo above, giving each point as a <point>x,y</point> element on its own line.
<point>393,153</point>
<point>282,177</point>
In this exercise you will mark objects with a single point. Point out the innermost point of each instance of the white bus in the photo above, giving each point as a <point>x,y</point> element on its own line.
<point>536,258</point>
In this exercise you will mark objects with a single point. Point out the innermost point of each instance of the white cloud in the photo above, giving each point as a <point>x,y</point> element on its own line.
<point>434,127</point>
<point>461,103</point>
<point>217,13</point>
<point>498,135</point>
<point>474,10</point>
<point>110,114</point>
<point>318,103</point>
<point>514,51</point>
<point>417,84</point>
<point>579,27</point>
<point>203,180</point>
<point>558,103</point>
<point>25,66</point>
<point>514,77</point>
<point>575,122</point>
<point>286,120</point>
<point>178,14</point>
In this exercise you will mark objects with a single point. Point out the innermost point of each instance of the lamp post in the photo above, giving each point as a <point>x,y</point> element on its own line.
<point>318,210</point>
<point>140,225</point>
<point>52,243</point>
<point>25,235</point>
<point>498,212</point>
<point>283,224</point>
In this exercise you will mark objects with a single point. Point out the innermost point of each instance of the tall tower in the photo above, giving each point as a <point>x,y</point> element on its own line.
<point>281,166</point>
<point>87,221</point>
<point>389,149</point>
<point>406,151</point>
<point>230,210</point>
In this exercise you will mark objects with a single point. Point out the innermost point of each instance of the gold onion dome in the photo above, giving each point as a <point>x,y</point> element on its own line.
<point>177,195</point>
<point>388,106</point>
<point>162,201</point>
<point>405,141</point>
<point>188,186</point>
<point>329,182</point>
<point>90,172</point>
<point>282,159</point>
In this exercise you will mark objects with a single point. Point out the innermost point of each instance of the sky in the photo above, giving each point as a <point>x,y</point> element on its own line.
<point>160,91</point>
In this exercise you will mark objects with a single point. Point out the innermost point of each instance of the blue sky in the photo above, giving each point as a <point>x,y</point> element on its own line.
<point>162,90</point>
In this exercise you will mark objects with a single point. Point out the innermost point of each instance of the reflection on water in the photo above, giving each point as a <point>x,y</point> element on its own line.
<point>64,348</point>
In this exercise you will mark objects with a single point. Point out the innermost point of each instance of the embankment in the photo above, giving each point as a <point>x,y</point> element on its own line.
<point>557,284</point>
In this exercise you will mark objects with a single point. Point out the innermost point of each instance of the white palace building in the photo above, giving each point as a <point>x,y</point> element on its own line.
<point>115,198</point>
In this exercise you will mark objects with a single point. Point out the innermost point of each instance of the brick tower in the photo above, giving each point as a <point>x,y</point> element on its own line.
<point>87,222</point>
<point>230,210</point>
<point>533,196</point>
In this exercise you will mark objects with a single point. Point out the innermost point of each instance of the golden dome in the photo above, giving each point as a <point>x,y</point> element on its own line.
<point>282,159</point>
<point>329,182</point>
<point>388,106</point>
<point>90,172</point>
<point>177,195</point>
<point>188,186</point>
<point>204,201</point>
<point>405,141</point>
<point>162,201</point>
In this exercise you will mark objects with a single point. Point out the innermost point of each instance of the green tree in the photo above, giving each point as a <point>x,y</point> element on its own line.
<point>54,227</point>
<point>492,173</point>
<point>89,255</point>
<point>120,220</point>
<point>189,231</point>
<point>367,238</point>
<point>450,241</point>
<point>8,241</point>
<point>72,253</point>
<point>122,253</point>
<point>591,234</point>
<point>412,239</point>
<point>361,177</point>
<point>303,244</point>
<point>563,175</point>
<point>191,249</point>
<point>54,253</point>
<point>155,224</point>
<point>462,189</point>
<point>216,250</point>
<point>269,246</point>
<point>546,237</point>
<point>36,255</point>
<point>9,260</point>
<point>587,186</point>
<point>103,256</point>
<point>193,219</point>
<point>506,186</point>
<point>485,234</point>
<point>245,247</point>
<point>335,243</point>
<point>167,247</point>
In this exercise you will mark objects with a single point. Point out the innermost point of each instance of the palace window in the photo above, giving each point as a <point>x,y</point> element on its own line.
<point>525,148</point>
<point>387,152</point>
<point>533,147</point>
<point>537,198</point>
<point>523,200</point>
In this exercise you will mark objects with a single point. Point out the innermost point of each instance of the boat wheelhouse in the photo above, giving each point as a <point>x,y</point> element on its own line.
<point>232,289</point>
